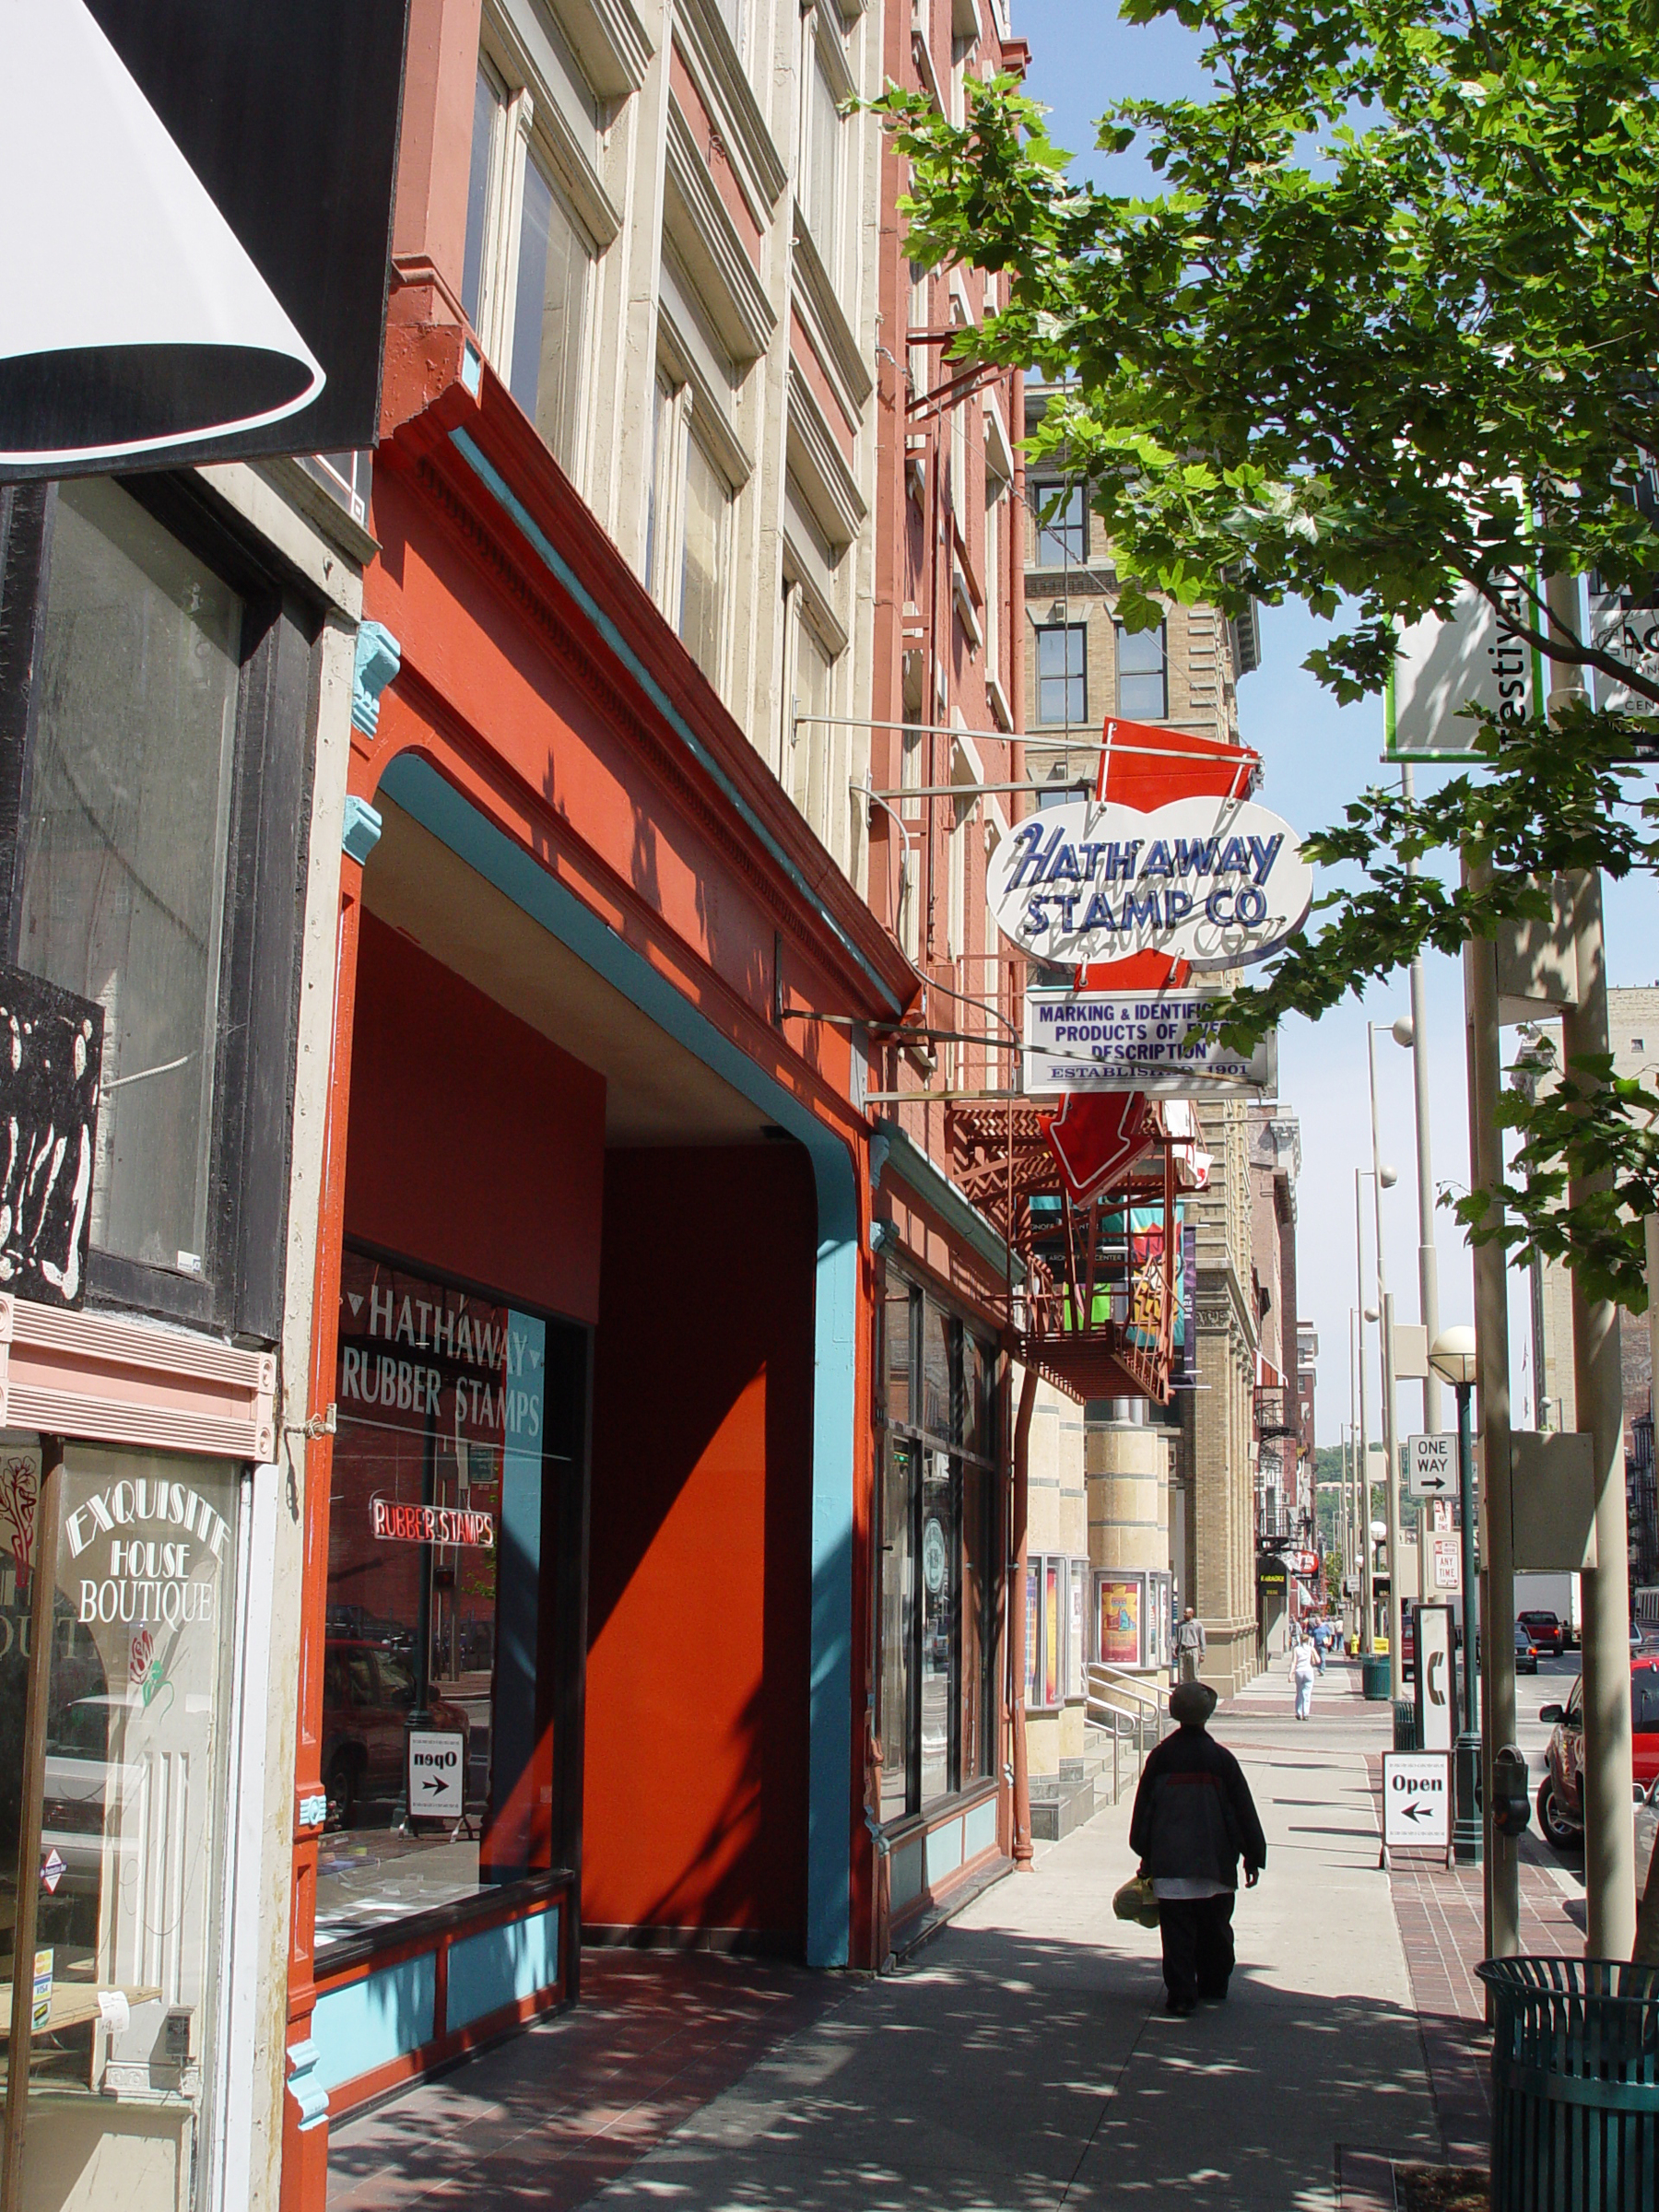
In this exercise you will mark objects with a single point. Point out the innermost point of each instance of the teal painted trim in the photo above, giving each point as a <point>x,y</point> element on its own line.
<point>518,1578</point>
<point>935,1189</point>
<point>360,832</point>
<point>944,1852</point>
<point>904,1881</point>
<point>501,1966</point>
<point>500,489</point>
<point>979,1828</point>
<point>379,658</point>
<point>367,2024</point>
<point>418,787</point>
<point>307,2091</point>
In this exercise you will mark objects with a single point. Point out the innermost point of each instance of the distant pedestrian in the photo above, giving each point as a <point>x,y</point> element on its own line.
<point>1305,1664</point>
<point>1190,1645</point>
<point>1193,1821</point>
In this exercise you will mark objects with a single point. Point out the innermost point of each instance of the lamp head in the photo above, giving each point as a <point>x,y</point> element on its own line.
<point>1388,1177</point>
<point>1403,1031</point>
<point>1372,1314</point>
<point>1453,1358</point>
<point>1379,1532</point>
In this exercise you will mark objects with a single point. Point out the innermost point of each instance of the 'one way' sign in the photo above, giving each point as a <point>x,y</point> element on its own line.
<point>1431,1466</point>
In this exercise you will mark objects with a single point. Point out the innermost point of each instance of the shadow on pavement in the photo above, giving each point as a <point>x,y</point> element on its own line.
<point>1002,2073</point>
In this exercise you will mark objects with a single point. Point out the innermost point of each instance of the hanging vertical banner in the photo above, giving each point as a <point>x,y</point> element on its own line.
<point>1473,658</point>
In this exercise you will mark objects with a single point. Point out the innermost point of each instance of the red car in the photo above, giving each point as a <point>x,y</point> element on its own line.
<point>1560,1807</point>
<point>368,1689</point>
<point>1546,1630</point>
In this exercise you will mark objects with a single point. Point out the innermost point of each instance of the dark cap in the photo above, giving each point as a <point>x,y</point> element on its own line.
<point>1192,1703</point>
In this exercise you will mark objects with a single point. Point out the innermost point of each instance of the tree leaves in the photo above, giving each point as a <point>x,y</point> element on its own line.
<point>1389,331</point>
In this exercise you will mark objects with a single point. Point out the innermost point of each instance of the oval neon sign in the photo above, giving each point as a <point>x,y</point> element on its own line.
<point>1214,882</point>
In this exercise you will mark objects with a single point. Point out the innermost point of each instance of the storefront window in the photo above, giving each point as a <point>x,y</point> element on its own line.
<point>442,1727</point>
<point>940,1592</point>
<point>897,1611</point>
<point>112,1978</point>
<point>128,813</point>
<point>939,1588</point>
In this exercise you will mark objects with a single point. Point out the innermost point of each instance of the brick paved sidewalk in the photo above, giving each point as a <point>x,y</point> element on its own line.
<point>1441,1917</point>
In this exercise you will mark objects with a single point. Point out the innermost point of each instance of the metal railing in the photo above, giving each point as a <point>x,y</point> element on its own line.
<point>1132,1707</point>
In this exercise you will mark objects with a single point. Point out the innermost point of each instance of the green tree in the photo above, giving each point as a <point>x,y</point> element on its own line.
<point>1388,335</point>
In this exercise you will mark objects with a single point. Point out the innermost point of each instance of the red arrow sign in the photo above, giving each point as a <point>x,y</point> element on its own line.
<point>1097,1135</point>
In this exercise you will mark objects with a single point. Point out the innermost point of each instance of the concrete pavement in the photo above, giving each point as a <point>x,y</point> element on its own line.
<point>1022,2063</point>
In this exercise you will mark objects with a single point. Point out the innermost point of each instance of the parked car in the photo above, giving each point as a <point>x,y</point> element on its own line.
<point>1546,1631</point>
<point>368,1690</point>
<point>1526,1653</point>
<point>1561,1807</point>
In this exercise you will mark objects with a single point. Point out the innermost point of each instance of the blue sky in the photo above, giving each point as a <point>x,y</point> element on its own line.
<point>1318,756</point>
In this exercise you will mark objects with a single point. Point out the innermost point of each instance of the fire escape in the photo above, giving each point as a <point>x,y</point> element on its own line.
<point>1092,1306</point>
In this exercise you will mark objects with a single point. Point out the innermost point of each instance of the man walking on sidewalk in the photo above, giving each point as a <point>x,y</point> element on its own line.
<point>1190,1645</point>
<point>1193,1821</point>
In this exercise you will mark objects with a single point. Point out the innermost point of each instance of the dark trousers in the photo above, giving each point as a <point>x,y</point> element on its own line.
<point>1197,1945</point>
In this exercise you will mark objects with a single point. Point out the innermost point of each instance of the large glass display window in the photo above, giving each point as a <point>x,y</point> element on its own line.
<point>117,1630</point>
<point>450,1682</point>
<point>939,1596</point>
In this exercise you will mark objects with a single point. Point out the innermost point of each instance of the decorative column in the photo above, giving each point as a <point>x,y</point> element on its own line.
<point>305,2109</point>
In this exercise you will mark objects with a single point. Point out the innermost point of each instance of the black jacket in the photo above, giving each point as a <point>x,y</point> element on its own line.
<point>1194,1816</point>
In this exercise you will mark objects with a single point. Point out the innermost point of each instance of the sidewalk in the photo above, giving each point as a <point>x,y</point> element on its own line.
<point>1024,2063</point>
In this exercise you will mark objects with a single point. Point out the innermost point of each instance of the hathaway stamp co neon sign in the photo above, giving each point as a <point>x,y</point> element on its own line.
<point>1214,882</point>
<point>397,1524</point>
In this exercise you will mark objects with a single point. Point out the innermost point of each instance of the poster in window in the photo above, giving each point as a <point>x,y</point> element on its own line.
<point>49,1096</point>
<point>1054,1615</point>
<point>1033,1611</point>
<point>1074,1671</point>
<point>1120,1616</point>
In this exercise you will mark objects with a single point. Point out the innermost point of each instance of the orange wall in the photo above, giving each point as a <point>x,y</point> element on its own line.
<point>695,1810</point>
<point>475,1146</point>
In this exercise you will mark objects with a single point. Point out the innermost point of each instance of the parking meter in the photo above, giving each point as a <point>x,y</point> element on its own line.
<point>1511,1802</point>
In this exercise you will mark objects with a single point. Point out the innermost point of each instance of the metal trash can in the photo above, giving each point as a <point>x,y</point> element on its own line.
<point>1373,1675</point>
<point>1405,1724</point>
<point>1575,2085</point>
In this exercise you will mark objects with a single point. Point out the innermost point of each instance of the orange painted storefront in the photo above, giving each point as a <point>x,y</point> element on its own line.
<point>565,847</point>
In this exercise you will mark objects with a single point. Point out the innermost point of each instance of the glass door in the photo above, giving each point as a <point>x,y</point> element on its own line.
<point>115,1692</point>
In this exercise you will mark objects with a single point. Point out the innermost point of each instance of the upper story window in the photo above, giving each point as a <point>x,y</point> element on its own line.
<point>1062,526</point>
<point>708,502</point>
<point>1061,679</point>
<point>527,264</point>
<point>151,843</point>
<point>1142,679</point>
<point>687,527</point>
<point>824,131</point>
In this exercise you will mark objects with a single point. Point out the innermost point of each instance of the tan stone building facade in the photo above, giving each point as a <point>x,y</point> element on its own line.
<point>1169,1491</point>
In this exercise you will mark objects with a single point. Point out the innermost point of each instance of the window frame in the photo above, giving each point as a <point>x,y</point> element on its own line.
<point>967,1461</point>
<point>529,126</point>
<point>824,57</point>
<point>1139,674</point>
<point>1068,630</point>
<point>241,1287</point>
<point>1052,537</point>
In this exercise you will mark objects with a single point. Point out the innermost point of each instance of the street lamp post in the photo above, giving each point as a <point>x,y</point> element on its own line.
<point>1452,1358</point>
<point>1384,1178</point>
